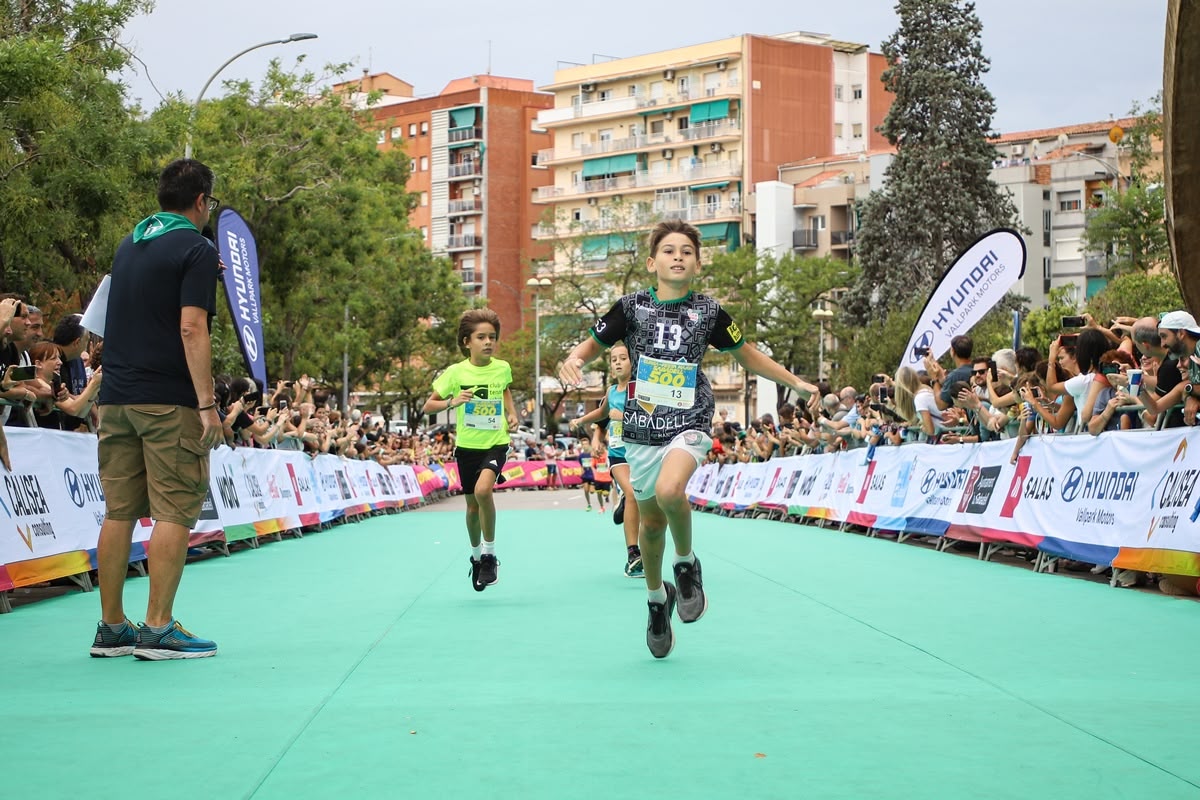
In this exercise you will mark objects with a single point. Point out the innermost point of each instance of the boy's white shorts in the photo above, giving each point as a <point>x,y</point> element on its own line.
<point>646,460</point>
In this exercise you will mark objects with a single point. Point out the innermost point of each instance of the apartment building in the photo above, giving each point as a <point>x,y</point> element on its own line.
<point>1057,177</point>
<point>471,148</point>
<point>684,133</point>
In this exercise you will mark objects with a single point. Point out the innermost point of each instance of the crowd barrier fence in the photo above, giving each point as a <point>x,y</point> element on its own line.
<point>52,502</point>
<point>1121,499</point>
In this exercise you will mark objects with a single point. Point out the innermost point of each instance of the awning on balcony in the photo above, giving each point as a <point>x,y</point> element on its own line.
<point>645,112</point>
<point>598,248</point>
<point>712,110</point>
<point>717,185</point>
<point>594,167</point>
<point>462,117</point>
<point>466,143</point>
<point>713,231</point>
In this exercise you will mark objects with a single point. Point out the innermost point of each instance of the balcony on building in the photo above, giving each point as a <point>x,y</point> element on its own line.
<point>464,241</point>
<point>841,238</point>
<point>623,173</point>
<point>709,129</point>
<point>805,239</point>
<point>464,127</point>
<point>587,108</point>
<point>466,205</point>
<point>467,168</point>
<point>626,242</point>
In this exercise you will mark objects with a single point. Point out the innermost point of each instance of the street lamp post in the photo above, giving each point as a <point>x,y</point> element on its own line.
<point>1115,170</point>
<point>821,315</point>
<point>537,284</point>
<point>295,37</point>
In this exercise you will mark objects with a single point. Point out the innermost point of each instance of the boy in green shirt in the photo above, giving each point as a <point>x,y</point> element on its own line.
<point>478,388</point>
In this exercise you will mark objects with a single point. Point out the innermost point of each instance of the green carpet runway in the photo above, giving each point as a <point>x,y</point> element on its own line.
<point>359,663</point>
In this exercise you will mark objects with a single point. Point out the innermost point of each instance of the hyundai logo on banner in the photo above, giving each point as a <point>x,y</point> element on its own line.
<point>1071,484</point>
<point>975,282</point>
<point>241,278</point>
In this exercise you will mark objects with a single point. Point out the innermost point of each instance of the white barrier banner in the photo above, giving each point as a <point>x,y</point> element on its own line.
<point>1129,499</point>
<point>52,502</point>
<point>408,487</point>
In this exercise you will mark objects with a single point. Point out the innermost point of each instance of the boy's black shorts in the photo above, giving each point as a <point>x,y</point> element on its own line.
<point>472,462</point>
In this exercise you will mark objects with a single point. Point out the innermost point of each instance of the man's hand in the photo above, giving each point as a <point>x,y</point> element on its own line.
<point>213,433</point>
<point>1191,405</point>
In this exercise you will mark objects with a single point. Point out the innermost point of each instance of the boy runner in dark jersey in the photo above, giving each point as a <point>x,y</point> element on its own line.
<point>669,409</point>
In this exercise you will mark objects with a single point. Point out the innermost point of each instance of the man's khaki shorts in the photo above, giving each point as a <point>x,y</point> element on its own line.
<point>152,462</point>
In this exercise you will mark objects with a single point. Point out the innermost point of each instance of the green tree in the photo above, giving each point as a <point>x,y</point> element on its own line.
<point>343,276</point>
<point>1041,326</point>
<point>772,300</point>
<point>1130,226</point>
<point>1135,294</point>
<point>938,197</point>
<point>76,153</point>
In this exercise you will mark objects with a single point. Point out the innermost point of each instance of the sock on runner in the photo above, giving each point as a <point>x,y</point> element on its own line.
<point>476,552</point>
<point>658,595</point>
<point>489,548</point>
<point>690,558</point>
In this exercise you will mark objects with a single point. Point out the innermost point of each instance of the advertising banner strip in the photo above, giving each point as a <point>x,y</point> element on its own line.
<point>52,502</point>
<point>973,284</point>
<point>241,278</point>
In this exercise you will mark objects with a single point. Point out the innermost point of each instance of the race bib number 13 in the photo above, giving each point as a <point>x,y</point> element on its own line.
<point>483,415</point>
<point>671,384</point>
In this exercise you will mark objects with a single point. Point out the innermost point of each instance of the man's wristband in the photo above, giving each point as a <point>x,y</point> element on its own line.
<point>207,407</point>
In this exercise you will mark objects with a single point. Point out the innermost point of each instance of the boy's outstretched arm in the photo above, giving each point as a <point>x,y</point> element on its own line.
<point>570,372</point>
<point>754,360</point>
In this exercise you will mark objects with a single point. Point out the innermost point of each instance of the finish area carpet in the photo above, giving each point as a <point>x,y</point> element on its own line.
<point>359,663</point>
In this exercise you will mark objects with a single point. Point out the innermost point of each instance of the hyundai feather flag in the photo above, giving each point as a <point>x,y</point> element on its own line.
<point>974,284</point>
<point>236,245</point>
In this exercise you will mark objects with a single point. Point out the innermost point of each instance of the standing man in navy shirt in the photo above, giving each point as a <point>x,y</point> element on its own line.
<point>158,418</point>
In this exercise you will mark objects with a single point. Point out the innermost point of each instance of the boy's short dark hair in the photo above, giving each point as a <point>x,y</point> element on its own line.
<point>665,228</point>
<point>470,319</point>
<point>962,346</point>
<point>181,182</point>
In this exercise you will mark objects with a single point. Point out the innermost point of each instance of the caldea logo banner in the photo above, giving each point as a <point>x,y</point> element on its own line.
<point>974,284</point>
<point>236,244</point>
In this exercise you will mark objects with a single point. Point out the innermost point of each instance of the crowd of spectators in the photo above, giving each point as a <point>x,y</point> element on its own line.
<point>1126,375</point>
<point>53,383</point>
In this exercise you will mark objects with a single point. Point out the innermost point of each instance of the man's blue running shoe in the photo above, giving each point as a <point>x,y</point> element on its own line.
<point>111,642</point>
<point>175,642</point>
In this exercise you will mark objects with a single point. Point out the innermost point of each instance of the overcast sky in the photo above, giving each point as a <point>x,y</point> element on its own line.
<point>1053,63</point>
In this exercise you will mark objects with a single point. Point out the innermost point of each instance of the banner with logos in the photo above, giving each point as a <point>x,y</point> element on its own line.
<point>241,278</point>
<point>534,474</point>
<point>1124,499</point>
<point>52,503</point>
<point>975,282</point>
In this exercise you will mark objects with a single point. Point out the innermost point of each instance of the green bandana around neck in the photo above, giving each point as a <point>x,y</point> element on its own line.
<point>157,224</point>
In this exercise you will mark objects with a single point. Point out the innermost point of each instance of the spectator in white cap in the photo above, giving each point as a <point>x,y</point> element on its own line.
<point>1180,335</point>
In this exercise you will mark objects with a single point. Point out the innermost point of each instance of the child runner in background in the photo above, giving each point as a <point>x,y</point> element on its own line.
<point>613,409</point>
<point>669,410</point>
<point>478,388</point>
<point>602,478</point>
<point>588,477</point>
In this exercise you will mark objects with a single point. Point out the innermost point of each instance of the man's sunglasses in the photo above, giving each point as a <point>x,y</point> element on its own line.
<point>212,202</point>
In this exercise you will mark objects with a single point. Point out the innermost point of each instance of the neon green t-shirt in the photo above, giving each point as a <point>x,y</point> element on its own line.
<point>481,420</point>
